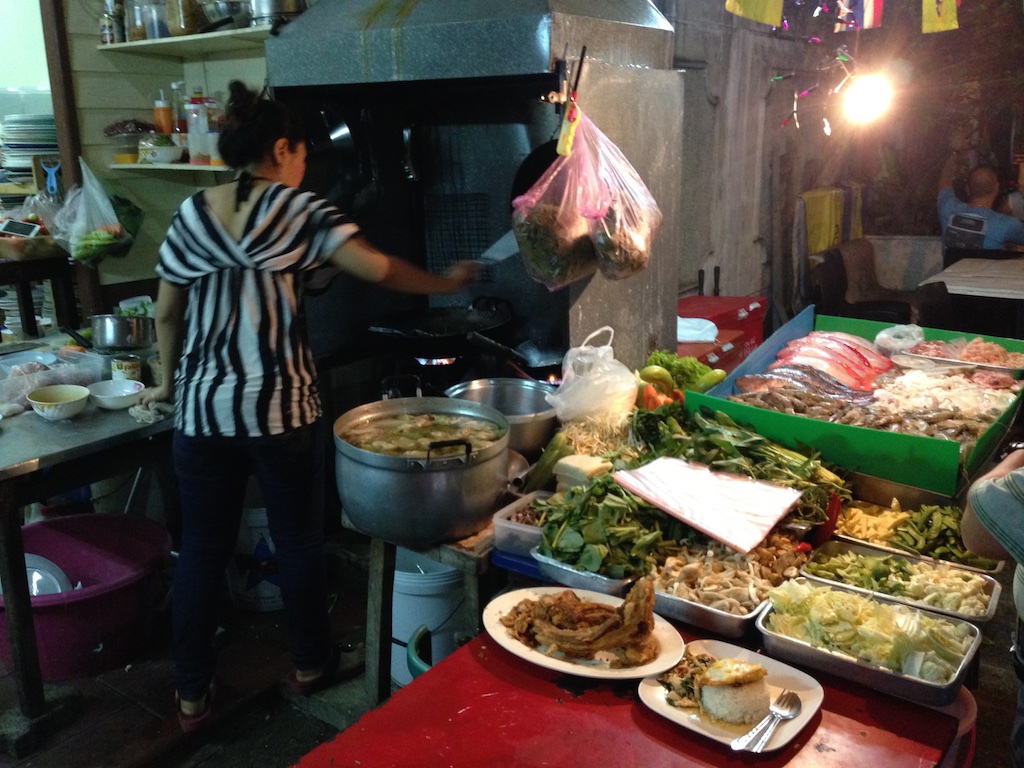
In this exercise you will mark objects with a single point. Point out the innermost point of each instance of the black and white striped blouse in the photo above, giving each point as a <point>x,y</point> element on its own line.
<point>246,369</point>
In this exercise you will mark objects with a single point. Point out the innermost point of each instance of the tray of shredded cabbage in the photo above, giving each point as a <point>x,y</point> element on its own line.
<point>907,652</point>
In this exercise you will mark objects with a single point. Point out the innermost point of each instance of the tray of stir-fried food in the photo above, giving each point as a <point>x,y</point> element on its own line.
<point>584,633</point>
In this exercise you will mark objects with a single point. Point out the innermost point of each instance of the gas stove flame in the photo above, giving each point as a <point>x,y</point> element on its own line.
<point>553,379</point>
<point>434,361</point>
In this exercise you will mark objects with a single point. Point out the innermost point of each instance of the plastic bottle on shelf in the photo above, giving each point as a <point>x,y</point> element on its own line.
<point>162,115</point>
<point>179,120</point>
<point>198,129</point>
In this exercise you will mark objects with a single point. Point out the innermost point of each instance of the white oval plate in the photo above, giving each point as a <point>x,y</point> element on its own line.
<point>20,358</point>
<point>669,640</point>
<point>780,676</point>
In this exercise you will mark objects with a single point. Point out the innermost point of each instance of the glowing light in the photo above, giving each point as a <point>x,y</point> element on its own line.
<point>866,98</point>
<point>826,126</point>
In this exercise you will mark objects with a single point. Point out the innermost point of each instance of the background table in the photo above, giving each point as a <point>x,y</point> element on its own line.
<point>991,278</point>
<point>483,706</point>
<point>39,459</point>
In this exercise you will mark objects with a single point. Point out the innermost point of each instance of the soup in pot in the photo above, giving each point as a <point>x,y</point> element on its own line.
<point>410,434</point>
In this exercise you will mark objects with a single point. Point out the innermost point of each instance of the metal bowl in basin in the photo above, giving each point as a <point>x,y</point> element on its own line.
<point>532,420</point>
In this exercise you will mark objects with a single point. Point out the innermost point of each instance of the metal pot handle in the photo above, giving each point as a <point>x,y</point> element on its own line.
<point>450,444</point>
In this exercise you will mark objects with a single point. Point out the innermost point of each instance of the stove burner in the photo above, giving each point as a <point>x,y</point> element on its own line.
<point>435,361</point>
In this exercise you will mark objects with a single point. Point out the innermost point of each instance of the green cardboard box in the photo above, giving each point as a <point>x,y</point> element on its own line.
<point>925,462</point>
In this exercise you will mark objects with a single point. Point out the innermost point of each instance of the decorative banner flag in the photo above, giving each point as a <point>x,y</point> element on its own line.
<point>764,11</point>
<point>938,15</point>
<point>868,13</point>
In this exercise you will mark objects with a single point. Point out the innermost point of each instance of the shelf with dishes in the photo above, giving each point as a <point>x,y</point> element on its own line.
<point>189,46</point>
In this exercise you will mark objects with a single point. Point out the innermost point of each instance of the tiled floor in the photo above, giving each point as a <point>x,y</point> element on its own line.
<point>125,717</point>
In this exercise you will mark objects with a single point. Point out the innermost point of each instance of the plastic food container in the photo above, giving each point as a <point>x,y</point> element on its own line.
<point>832,548</point>
<point>517,538</point>
<point>562,573</point>
<point>872,675</point>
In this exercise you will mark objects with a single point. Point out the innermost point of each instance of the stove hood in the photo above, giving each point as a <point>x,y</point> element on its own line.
<point>340,42</point>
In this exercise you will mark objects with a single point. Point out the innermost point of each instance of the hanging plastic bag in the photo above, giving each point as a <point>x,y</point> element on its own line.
<point>594,384</point>
<point>593,194</point>
<point>88,226</point>
<point>552,234</point>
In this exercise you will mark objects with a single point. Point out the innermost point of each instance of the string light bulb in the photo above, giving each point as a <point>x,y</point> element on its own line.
<point>866,98</point>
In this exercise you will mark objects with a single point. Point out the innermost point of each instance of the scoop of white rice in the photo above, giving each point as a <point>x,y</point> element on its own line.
<point>746,703</point>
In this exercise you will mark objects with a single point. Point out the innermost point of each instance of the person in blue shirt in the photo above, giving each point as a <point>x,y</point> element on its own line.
<point>974,224</point>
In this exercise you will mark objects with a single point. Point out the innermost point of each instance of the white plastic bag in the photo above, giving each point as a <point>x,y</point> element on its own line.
<point>594,384</point>
<point>898,338</point>
<point>87,225</point>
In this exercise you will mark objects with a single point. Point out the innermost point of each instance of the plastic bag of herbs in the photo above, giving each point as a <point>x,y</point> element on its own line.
<point>92,226</point>
<point>590,210</point>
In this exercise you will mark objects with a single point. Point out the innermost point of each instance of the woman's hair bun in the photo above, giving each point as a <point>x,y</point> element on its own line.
<point>242,101</point>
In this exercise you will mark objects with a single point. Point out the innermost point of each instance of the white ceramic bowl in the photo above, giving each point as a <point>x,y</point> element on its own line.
<point>160,154</point>
<point>115,395</point>
<point>59,401</point>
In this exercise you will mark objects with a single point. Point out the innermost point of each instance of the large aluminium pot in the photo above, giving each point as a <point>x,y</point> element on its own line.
<point>114,332</point>
<point>532,419</point>
<point>418,502</point>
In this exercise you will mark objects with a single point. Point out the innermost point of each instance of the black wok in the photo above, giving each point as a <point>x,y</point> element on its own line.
<point>445,331</point>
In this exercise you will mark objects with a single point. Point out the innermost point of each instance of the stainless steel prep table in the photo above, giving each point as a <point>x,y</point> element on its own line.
<point>39,459</point>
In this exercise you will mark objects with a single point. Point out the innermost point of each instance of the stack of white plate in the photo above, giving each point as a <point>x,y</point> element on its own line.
<point>21,138</point>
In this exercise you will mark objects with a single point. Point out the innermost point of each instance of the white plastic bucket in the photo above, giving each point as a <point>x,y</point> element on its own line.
<point>426,592</point>
<point>253,577</point>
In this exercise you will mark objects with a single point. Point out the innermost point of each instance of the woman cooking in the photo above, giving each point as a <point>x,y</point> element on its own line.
<point>229,311</point>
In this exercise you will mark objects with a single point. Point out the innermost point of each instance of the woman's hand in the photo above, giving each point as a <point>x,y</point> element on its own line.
<point>463,274</point>
<point>162,393</point>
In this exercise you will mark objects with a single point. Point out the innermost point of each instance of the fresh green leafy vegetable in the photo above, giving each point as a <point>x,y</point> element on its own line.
<point>724,446</point>
<point>685,370</point>
<point>602,528</point>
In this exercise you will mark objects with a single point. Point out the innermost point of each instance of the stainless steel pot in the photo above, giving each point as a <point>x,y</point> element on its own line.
<point>270,11</point>
<point>122,332</point>
<point>419,502</point>
<point>532,420</point>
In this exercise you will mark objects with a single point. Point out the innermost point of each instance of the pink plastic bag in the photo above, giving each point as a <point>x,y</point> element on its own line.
<point>590,210</point>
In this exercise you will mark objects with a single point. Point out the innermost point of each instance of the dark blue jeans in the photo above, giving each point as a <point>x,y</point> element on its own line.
<point>213,474</point>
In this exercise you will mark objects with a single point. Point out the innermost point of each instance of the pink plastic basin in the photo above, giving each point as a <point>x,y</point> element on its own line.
<point>95,628</point>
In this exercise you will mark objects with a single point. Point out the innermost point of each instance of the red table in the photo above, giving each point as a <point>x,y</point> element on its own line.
<point>483,706</point>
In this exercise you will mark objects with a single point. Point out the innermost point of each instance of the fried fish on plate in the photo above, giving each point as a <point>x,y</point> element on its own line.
<point>583,629</point>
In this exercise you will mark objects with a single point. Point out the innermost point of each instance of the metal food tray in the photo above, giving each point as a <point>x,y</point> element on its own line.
<point>1010,370</point>
<point>698,615</point>
<point>563,573</point>
<point>851,668</point>
<point>832,548</point>
<point>877,490</point>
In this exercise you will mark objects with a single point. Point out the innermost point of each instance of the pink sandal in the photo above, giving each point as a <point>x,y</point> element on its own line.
<point>190,723</point>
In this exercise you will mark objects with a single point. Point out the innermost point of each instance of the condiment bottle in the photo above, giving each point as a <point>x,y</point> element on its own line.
<point>162,115</point>
<point>179,120</point>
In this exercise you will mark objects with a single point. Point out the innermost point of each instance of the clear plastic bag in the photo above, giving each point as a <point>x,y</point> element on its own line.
<point>594,384</point>
<point>87,225</point>
<point>590,210</point>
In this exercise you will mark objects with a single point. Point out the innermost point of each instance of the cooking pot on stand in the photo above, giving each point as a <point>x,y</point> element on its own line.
<point>418,502</point>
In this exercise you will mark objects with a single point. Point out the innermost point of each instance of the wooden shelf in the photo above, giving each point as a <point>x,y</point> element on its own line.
<point>191,46</point>
<point>168,167</point>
